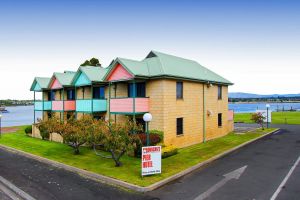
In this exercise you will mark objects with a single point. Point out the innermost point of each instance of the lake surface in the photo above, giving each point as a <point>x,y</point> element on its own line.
<point>23,115</point>
<point>18,115</point>
<point>252,107</point>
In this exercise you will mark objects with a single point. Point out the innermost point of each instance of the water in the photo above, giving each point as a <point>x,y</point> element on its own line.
<point>18,115</point>
<point>23,115</point>
<point>252,107</point>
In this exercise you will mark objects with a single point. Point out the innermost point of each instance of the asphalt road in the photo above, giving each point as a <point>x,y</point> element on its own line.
<point>266,164</point>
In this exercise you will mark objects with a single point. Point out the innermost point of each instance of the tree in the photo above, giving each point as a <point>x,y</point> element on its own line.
<point>116,138</point>
<point>43,128</point>
<point>47,126</point>
<point>75,132</point>
<point>91,62</point>
<point>259,119</point>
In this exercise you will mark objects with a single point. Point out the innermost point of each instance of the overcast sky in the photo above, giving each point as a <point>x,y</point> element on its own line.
<point>255,44</point>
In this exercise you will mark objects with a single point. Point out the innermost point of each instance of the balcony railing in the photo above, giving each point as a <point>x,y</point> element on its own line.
<point>42,105</point>
<point>68,105</point>
<point>127,106</point>
<point>91,105</point>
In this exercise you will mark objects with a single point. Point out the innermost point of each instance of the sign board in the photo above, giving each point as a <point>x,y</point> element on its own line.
<point>264,113</point>
<point>151,160</point>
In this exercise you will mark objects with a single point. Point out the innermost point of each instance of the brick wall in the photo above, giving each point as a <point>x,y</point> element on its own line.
<point>165,108</point>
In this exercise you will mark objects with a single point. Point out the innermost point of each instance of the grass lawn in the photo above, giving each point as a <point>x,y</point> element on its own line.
<point>130,171</point>
<point>277,117</point>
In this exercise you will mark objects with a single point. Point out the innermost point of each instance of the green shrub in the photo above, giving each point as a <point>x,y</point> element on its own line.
<point>158,132</point>
<point>28,130</point>
<point>168,151</point>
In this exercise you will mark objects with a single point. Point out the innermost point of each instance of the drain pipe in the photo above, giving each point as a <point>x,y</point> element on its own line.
<point>204,115</point>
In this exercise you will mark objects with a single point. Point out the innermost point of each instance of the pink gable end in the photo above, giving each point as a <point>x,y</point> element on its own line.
<point>55,84</point>
<point>119,73</point>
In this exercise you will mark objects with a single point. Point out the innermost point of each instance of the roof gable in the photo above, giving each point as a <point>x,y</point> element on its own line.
<point>37,87</point>
<point>39,83</point>
<point>82,80</point>
<point>119,73</point>
<point>55,84</point>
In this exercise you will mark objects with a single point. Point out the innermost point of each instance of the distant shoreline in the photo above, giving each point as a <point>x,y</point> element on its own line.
<point>254,102</point>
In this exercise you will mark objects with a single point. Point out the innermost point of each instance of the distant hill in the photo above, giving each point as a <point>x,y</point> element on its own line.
<point>242,95</point>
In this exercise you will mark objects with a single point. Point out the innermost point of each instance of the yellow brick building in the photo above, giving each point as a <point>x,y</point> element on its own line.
<point>188,102</point>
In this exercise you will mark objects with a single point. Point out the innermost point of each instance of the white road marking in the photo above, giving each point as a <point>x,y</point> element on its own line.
<point>15,189</point>
<point>8,192</point>
<point>231,175</point>
<point>285,180</point>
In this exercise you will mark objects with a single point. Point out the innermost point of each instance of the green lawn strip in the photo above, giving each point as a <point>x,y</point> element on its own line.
<point>130,171</point>
<point>277,117</point>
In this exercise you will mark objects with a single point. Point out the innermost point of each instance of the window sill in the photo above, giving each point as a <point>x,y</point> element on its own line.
<point>220,126</point>
<point>181,135</point>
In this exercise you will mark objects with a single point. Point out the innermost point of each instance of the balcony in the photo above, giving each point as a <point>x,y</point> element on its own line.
<point>68,105</point>
<point>91,105</point>
<point>42,105</point>
<point>126,105</point>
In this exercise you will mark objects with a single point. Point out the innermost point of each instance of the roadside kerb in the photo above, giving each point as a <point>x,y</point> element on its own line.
<point>113,181</point>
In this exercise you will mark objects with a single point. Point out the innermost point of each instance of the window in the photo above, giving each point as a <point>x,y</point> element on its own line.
<point>179,90</point>
<point>179,126</point>
<point>98,93</point>
<point>141,122</point>
<point>70,94</point>
<point>49,114</point>
<point>98,117</point>
<point>51,95</point>
<point>69,115</point>
<point>140,90</point>
<point>219,119</point>
<point>219,92</point>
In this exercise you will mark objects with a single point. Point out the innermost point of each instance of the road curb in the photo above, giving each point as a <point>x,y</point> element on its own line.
<point>116,182</point>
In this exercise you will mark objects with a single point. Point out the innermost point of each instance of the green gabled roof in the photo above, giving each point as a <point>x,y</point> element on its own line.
<point>158,64</point>
<point>42,83</point>
<point>93,73</point>
<point>65,79</point>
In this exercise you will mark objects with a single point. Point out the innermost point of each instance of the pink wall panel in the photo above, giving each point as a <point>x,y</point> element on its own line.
<point>126,105</point>
<point>57,105</point>
<point>55,84</point>
<point>142,105</point>
<point>230,115</point>
<point>70,105</point>
<point>121,105</point>
<point>119,73</point>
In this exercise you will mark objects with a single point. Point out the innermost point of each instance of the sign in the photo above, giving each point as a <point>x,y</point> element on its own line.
<point>264,113</point>
<point>151,160</point>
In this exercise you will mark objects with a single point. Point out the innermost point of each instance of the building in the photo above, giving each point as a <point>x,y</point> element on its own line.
<point>188,102</point>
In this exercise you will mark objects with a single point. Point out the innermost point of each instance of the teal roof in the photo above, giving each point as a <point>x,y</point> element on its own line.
<point>158,64</point>
<point>93,74</point>
<point>65,79</point>
<point>39,83</point>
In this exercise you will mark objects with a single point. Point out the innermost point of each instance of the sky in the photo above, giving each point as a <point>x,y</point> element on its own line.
<point>254,44</point>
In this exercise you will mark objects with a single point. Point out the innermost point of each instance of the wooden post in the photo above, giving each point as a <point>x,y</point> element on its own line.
<point>109,96</point>
<point>34,107</point>
<point>134,95</point>
<point>75,93</point>
<point>92,103</point>
<point>63,100</point>
<point>204,114</point>
<point>42,105</point>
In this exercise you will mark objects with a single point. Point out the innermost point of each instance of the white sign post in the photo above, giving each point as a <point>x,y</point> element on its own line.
<point>151,160</point>
<point>264,113</point>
